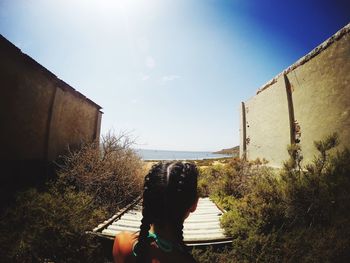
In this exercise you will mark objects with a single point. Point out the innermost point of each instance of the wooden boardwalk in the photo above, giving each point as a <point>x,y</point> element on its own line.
<point>201,228</point>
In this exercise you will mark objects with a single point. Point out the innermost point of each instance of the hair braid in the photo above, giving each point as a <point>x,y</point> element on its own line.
<point>178,227</point>
<point>170,189</point>
<point>182,195</point>
<point>186,193</point>
<point>142,248</point>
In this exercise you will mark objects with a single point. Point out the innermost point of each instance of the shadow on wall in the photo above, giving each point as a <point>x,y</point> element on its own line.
<point>40,116</point>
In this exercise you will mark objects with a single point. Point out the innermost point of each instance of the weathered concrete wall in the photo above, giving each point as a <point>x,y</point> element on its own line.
<point>73,121</point>
<point>321,96</point>
<point>313,93</point>
<point>25,100</point>
<point>40,114</point>
<point>267,130</point>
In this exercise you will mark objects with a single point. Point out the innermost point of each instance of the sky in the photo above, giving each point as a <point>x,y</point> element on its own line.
<point>171,73</point>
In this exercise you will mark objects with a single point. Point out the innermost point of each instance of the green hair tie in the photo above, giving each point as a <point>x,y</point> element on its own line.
<point>164,245</point>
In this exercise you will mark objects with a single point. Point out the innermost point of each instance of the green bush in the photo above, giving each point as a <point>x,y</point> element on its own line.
<point>229,179</point>
<point>298,214</point>
<point>279,212</point>
<point>50,225</point>
<point>213,255</point>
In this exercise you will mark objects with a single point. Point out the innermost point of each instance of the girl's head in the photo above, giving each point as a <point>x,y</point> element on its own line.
<point>170,193</point>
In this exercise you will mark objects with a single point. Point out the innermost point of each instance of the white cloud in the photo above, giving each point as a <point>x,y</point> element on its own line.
<point>145,77</point>
<point>150,62</point>
<point>170,78</point>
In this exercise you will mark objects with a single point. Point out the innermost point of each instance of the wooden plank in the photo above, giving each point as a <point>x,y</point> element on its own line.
<point>113,218</point>
<point>198,211</point>
<point>186,231</point>
<point>187,237</point>
<point>191,225</point>
<point>195,221</point>
<point>201,227</point>
<point>139,216</point>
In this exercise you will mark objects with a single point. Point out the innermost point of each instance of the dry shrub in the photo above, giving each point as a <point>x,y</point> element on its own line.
<point>48,225</point>
<point>111,173</point>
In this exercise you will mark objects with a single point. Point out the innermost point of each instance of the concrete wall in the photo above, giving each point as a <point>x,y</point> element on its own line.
<point>73,121</point>
<point>267,124</point>
<point>313,94</point>
<point>40,115</point>
<point>26,98</point>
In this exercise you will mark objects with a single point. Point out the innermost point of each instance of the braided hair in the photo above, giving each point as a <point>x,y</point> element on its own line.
<point>170,189</point>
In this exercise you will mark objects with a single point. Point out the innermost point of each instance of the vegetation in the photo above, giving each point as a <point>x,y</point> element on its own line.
<point>234,151</point>
<point>49,225</point>
<point>212,161</point>
<point>110,174</point>
<point>296,214</point>
<point>300,213</point>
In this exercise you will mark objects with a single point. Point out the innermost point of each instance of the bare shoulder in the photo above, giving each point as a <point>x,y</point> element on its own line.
<point>123,246</point>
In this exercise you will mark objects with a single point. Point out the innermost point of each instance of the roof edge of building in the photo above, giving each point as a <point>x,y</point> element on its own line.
<point>324,45</point>
<point>61,84</point>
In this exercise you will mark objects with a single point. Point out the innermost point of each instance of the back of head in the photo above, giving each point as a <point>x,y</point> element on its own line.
<point>170,189</point>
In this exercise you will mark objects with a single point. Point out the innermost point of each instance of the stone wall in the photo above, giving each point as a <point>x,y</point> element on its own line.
<point>306,102</point>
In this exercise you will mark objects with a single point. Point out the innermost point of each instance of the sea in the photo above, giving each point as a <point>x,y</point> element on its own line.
<point>162,155</point>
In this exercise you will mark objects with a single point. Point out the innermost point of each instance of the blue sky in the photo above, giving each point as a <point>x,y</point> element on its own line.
<point>172,73</point>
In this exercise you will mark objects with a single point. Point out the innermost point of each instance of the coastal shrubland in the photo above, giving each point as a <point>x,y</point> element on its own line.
<point>48,223</point>
<point>300,213</point>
